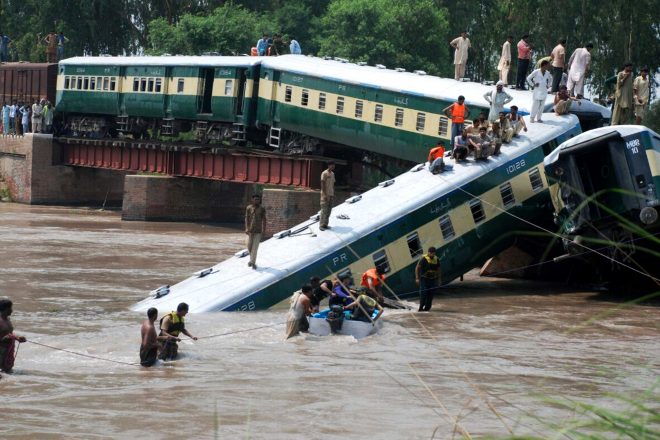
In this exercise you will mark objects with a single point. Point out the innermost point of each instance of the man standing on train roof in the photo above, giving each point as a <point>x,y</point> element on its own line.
<point>435,159</point>
<point>505,60</point>
<point>255,225</point>
<point>457,112</point>
<point>623,106</point>
<point>7,337</point>
<point>540,80</point>
<point>497,99</point>
<point>294,47</point>
<point>373,279</point>
<point>524,57</point>
<point>578,67</point>
<point>51,47</point>
<point>327,195</point>
<point>558,59</point>
<point>4,47</point>
<point>262,45</point>
<point>428,278</point>
<point>61,39</point>
<point>461,45</point>
<point>171,325</point>
<point>641,91</point>
<point>150,340</point>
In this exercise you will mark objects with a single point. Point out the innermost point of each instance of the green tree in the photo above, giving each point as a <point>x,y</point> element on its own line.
<point>397,34</point>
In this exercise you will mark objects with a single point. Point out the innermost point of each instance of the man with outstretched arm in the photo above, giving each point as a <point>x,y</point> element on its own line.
<point>171,325</point>
<point>7,337</point>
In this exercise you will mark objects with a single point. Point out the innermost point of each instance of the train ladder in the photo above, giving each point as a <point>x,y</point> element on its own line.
<point>167,127</point>
<point>274,137</point>
<point>238,134</point>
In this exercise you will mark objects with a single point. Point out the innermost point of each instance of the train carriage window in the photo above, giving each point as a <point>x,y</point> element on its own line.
<point>443,126</point>
<point>229,87</point>
<point>380,261</point>
<point>304,100</point>
<point>508,199</point>
<point>321,101</point>
<point>92,83</point>
<point>398,117</point>
<point>477,210</point>
<point>136,84</point>
<point>67,82</point>
<point>79,83</point>
<point>446,227</point>
<point>421,121</point>
<point>143,84</point>
<point>414,245</point>
<point>359,106</point>
<point>99,82</point>
<point>535,179</point>
<point>113,84</point>
<point>106,83</point>
<point>179,85</point>
<point>86,83</point>
<point>378,114</point>
<point>288,91</point>
<point>150,85</point>
<point>159,85</point>
<point>340,105</point>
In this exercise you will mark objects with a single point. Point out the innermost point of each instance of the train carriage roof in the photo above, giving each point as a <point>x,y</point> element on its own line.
<point>201,61</point>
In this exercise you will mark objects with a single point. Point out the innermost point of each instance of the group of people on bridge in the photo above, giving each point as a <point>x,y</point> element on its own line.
<point>19,119</point>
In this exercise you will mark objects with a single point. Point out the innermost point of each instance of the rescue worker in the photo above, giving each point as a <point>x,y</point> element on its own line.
<point>457,112</point>
<point>373,281</point>
<point>364,306</point>
<point>301,308</point>
<point>436,161</point>
<point>171,325</point>
<point>427,277</point>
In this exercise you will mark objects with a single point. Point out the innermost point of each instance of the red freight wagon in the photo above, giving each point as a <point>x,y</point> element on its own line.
<point>25,82</point>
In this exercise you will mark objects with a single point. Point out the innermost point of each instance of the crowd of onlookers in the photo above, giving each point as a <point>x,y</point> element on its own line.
<point>19,118</point>
<point>276,45</point>
<point>54,43</point>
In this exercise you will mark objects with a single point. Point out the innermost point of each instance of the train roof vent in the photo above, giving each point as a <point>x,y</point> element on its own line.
<point>315,217</point>
<point>282,234</point>
<point>419,72</point>
<point>488,83</point>
<point>464,80</point>
<point>380,66</point>
<point>400,69</point>
<point>241,254</point>
<point>361,63</point>
<point>386,183</point>
<point>354,199</point>
<point>419,167</point>
<point>327,57</point>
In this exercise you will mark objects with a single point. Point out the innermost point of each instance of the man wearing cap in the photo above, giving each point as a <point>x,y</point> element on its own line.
<point>428,278</point>
<point>497,99</point>
<point>457,112</point>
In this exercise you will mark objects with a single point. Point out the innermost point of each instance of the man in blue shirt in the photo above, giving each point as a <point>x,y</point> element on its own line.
<point>4,47</point>
<point>262,45</point>
<point>294,47</point>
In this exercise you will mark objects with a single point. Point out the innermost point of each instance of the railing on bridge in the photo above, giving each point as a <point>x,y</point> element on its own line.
<point>191,161</point>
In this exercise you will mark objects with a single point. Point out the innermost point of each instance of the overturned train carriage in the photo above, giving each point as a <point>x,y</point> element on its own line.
<point>605,193</point>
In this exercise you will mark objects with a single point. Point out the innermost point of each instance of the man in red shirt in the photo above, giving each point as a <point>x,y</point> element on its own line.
<point>524,57</point>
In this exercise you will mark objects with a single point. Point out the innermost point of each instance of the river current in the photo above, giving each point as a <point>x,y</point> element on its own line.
<point>486,361</point>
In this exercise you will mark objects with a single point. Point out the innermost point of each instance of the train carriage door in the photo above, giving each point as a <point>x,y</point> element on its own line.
<point>242,84</point>
<point>205,90</point>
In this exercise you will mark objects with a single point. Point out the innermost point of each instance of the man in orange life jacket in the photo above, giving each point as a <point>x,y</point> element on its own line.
<point>171,325</point>
<point>436,161</point>
<point>373,280</point>
<point>428,278</point>
<point>457,112</point>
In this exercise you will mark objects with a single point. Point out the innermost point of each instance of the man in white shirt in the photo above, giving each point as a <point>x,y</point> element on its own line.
<point>578,66</point>
<point>540,80</point>
<point>558,57</point>
<point>461,44</point>
<point>12,118</point>
<point>641,90</point>
<point>505,60</point>
<point>294,47</point>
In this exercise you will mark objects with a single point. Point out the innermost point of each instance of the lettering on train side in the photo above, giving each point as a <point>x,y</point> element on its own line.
<point>510,169</point>
<point>224,72</point>
<point>297,79</point>
<point>440,207</point>
<point>339,259</point>
<point>249,306</point>
<point>633,146</point>
<point>401,101</point>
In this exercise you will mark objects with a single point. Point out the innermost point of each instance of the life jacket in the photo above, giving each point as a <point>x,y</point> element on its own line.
<point>176,324</point>
<point>432,268</point>
<point>458,113</point>
<point>371,273</point>
<point>436,153</point>
<point>368,304</point>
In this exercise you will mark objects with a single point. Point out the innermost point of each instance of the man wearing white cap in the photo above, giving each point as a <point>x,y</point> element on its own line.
<point>497,99</point>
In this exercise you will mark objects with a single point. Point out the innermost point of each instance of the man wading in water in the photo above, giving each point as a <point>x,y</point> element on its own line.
<point>301,308</point>
<point>151,341</point>
<point>170,326</point>
<point>7,337</point>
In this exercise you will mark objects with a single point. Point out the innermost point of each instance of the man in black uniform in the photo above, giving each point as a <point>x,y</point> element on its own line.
<point>427,277</point>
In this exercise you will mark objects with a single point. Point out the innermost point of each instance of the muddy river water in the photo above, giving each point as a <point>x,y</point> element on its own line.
<point>486,360</point>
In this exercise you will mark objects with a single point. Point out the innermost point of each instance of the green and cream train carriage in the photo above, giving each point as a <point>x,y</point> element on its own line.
<point>469,213</point>
<point>212,95</point>
<point>306,101</point>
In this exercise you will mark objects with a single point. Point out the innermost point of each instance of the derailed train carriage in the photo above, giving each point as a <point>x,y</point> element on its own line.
<point>292,104</point>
